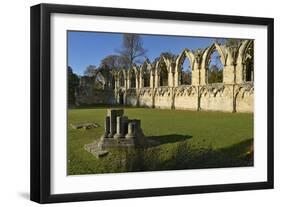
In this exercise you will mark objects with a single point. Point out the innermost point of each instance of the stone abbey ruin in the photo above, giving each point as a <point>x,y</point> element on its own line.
<point>119,132</point>
<point>160,84</point>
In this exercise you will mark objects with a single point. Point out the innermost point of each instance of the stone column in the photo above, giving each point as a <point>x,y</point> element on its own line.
<point>112,126</point>
<point>176,78</point>
<point>156,81</point>
<point>118,127</point>
<point>130,134</point>
<point>228,74</point>
<point>203,76</point>
<point>115,84</point>
<point>195,75</point>
<point>106,127</point>
<point>170,79</point>
<point>128,81</point>
<point>140,81</point>
<point>151,85</point>
<point>137,81</point>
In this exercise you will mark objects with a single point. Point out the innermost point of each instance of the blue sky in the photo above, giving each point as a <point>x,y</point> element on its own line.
<point>89,48</point>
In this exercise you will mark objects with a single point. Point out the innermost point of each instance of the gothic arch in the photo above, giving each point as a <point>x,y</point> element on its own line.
<point>100,80</point>
<point>243,50</point>
<point>162,71</point>
<point>206,59</point>
<point>183,77</point>
<point>121,78</point>
<point>246,60</point>
<point>145,73</point>
<point>162,62</point>
<point>132,76</point>
<point>112,79</point>
<point>183,55</point>
<point>208,52</point>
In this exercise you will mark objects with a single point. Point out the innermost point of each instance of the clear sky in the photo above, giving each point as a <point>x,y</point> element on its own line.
<point>89,48</point>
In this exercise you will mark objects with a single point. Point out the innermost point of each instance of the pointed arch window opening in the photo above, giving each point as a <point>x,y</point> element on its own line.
<point>185,77</point>
<point>121,80</point>
<point>133,79</point>
<point>100,82</point>
<point>214,72</point>
<point>248,66</point>
<point>163,79</point>
<point>146,78</point>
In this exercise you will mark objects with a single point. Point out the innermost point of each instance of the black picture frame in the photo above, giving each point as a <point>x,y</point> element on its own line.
<point>40,102</point>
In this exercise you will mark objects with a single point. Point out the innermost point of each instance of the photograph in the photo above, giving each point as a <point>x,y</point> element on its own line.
<point>157,102</point>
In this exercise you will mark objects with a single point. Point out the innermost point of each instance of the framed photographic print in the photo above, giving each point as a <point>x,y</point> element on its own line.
<point>133,103</point>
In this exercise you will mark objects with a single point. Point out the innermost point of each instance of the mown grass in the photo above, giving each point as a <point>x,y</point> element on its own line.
<point>186,140</point>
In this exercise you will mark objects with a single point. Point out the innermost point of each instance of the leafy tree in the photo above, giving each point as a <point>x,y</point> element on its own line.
<point>229,42</point>
<point>73,82</point>
<point>186,78</point>
<point>132,49</point>
<point>113,62</point>
<point>167,54</point>
<point>215,74</point>
<point>90,71</point>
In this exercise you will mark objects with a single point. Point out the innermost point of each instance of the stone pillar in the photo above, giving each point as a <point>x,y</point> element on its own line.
<point>151,81</point>
<point>127,85</point>
<point>228,74</point>
<point>116,83</point>
<point>203,76</point>
<point>130,134</point>
<point>195,75</point>
<point>239,76</point>
<point>106,127</point>
<point>140,81</point>
<point>157,81</point>
<point>137,82</point>
<point>170,79</point>
<point>176,78</point>
<point>118,127</point>
<point>112,127</point>
<point>113,113</point>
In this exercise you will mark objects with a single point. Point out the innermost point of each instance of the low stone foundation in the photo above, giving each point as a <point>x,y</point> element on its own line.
<point>119,132</point>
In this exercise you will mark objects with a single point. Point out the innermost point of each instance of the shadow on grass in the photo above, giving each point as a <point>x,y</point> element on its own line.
<point>182,155</point>
<point>171,138</point>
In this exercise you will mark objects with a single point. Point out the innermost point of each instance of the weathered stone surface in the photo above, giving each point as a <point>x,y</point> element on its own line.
<point>113,114</point>
<point>128,134</point>
<point>95,150</point>
<point>158,85</point>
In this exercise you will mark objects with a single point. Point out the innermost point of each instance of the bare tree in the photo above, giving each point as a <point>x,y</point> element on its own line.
<point>132,49</point>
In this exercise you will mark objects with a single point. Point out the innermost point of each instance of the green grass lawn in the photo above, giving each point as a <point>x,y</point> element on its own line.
<point>187,140</point>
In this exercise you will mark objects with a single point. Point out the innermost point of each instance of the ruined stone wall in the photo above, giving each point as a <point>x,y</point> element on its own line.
<point>131,97</point>
<point>163,98</point>
<point>215,97</point>
<point>186,97</point>
<point>244,97</point>
<point>146,97</point>
<point>159,84</point>
<point>101,96</point>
